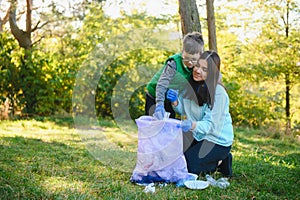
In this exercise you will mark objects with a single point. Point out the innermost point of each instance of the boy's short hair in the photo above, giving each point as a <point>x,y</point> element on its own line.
<point>193,43</point>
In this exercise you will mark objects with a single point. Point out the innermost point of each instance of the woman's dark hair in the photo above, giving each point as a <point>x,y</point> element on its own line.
<point>204,91</point>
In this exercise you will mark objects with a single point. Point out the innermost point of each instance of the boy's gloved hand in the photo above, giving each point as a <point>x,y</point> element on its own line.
<point>186,125</point>
<point>159,112</point>
<point>172,95</point>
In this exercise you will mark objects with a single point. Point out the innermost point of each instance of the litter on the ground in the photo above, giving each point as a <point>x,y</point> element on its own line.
<point>161,185</point>
<point>190,177</point>
<point>150,188</point>
<point>196,184</point>
<point>221,182</point>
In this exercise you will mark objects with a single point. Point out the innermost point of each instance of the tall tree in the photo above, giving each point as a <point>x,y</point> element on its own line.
<point>30,72</point>
<point>284,24</point>
<point>189,16</point>
<point>212,38</point>
<point>289,5</point>
<point>24,39</point>
<point>272,56</point>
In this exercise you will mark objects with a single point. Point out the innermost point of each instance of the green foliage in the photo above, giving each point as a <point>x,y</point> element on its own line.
<point>9,70</point>
<point>124,54</point>
<point>91,63</point>
<point>37,94</point>
<point>122,85</point>
<point>274,61</point>
<point>256,69</point>
<point>65,57</point>
<point>37,81</point>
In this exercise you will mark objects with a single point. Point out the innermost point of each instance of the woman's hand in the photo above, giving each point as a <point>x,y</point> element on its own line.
<point>186,125</point>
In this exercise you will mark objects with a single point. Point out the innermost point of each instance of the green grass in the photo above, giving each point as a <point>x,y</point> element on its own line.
<point>47,159</point>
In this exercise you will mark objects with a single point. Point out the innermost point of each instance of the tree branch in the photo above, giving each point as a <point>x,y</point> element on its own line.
<point>39,27</point>
<point>5,19</point>
<point>37,41</point>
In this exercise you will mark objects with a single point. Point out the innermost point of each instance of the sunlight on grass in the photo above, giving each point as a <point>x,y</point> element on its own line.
<point>241,146</point>
<point>56,184</point>
<point>110,146</point>
<point>123,140</point>
<point>127,126</point>
<point>46,131</point>
<point>110,138</point>
<point>280,163</point>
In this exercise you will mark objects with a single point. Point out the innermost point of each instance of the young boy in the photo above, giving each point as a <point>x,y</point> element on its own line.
<point>174,74</point>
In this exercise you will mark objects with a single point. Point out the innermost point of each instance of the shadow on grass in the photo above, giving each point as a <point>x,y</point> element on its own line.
<point>34,169</point>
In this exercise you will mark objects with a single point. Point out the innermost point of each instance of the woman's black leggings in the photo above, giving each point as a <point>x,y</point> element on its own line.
<point>203,157</point>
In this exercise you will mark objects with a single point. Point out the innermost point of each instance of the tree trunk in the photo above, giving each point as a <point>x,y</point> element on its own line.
<point>212,38</point>
<point>287,106</point>
<point>27,73</point>
<point>23,37</point>
<point>189,16</point>
<point>287,79</point>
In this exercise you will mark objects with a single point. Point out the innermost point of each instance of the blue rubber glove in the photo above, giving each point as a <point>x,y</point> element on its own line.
<point>186,125</point>
<point>172,95</point>
<point>159,112</point>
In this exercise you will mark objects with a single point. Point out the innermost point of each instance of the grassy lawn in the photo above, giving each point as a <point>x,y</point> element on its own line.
<point>49,159</point>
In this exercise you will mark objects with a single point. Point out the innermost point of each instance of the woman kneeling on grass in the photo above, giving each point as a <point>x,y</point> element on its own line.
<point>208,132</point>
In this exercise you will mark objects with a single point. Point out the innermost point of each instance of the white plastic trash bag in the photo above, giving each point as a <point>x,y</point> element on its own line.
<point>160,151</point>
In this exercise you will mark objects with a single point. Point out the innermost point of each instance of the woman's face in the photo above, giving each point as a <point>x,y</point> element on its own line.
<point>200,71</point>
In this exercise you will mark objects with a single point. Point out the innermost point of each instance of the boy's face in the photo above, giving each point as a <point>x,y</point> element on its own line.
<point>190,60</point>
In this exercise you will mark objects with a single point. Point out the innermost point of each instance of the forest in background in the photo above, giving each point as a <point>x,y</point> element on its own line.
<point>108,61</point>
